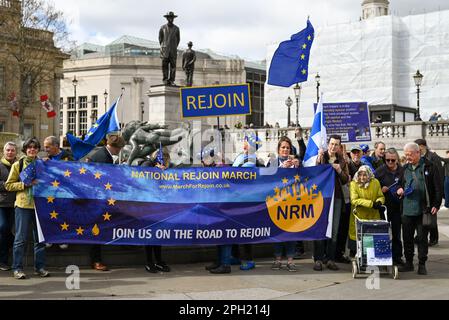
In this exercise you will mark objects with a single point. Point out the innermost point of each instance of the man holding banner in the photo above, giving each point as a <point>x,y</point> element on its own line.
<point>105,154</point>
<point>325,250</point>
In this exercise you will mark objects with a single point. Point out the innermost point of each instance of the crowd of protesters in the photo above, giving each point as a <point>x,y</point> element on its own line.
<point>365,184</point>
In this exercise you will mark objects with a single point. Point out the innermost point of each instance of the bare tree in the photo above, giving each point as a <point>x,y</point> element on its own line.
<point>35,35</point>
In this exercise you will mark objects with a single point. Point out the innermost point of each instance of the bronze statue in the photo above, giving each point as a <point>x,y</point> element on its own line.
<point>144,138</point>
<point>169,38</point>
<point>188,63</point>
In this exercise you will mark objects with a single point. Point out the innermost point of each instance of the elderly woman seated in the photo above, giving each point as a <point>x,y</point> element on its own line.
<point>366,201</point>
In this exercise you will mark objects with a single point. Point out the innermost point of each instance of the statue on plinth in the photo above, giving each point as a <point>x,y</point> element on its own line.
<point>188,63</point>
<point>169,38</point>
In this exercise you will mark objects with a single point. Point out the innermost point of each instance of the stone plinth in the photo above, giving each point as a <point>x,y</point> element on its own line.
<point>164,104</point>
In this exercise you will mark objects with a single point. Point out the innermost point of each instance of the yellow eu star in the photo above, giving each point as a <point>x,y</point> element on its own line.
<point>304,46</point>
<point>108,186</point>
<point>97,175</point>
<point>55,184</point>
<point>314,187</point>
<point>111,202</point>
<point>297,178</point>
<point>67,174</point>
<point>50,199</point>
<point>96,125</point>
<point>64,227</point>
<point>285,181</point>
<point>107,216</point>
<point>304,71</point>
<point>80,231</point>
<point>309,38</point>
<point>303,57</point>
<point>83,171</point>
<point>54,215</point>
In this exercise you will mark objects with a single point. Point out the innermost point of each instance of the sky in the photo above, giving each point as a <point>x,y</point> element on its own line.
<point>232,27</point>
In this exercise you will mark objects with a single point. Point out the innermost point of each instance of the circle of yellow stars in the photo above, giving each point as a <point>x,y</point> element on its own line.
<point>56,184</point>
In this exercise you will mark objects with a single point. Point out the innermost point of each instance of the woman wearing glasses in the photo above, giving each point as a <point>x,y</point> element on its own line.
<point>391,176</point>
<point>24,213</point>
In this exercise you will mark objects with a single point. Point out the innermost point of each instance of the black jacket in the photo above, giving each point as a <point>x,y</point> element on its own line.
<point>388,178</point>
<point>435,159</point>
<point>101,155</point>
<point>7,198</point>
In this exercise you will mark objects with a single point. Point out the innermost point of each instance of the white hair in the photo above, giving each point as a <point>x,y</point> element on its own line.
<point>412,147</point>
<point>9,144</point>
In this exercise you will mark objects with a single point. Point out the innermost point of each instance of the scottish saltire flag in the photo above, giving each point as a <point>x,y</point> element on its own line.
<point>106,124</point>
<point>318,137</point>
<point>290,63</point>
<point>122,205</point>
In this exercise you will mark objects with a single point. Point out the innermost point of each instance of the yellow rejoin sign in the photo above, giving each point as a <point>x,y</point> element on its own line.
<point>215,101</point>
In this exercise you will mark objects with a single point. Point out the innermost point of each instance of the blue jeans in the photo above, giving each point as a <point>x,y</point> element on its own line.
<point>6,237</point>
<point>290,249</point>
<point>446,192</point>
<point>25,218</point>
<point>224,255</point>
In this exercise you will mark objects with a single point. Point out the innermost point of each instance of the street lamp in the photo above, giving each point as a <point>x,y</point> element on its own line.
<point>288,103</point>
<point>105,94</point>
<point>418,80</point>
<point>297,90</point>
<point>75,83</point>
<point>317,79</point>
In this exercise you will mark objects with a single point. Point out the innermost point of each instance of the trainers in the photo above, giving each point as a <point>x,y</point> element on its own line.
<point>48,245</point>
<point>4,267</point>
<point>42,273</point>
<point>20,275</point>
<point>63,246</point>
<point>248,265</point>
<point>221,269</point>
<point>291,267</point>
<point>318,266</point>
<point>277,265</point>
<point>422,269</point>
<point>151,268</point>
<point>331,265</point>
<point>161,266</point>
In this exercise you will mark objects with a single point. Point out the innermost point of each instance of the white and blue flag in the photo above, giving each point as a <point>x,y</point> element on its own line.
<point>318,137</point>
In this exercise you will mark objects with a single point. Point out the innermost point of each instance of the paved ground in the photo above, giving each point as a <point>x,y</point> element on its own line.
<point>192,282</point>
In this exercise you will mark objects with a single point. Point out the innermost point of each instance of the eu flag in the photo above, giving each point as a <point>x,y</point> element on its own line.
<point>106,124</point>
<point>290,63</point>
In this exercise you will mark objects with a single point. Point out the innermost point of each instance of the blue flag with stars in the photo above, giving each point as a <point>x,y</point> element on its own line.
<point>106,124</point>
<point>290,63</point>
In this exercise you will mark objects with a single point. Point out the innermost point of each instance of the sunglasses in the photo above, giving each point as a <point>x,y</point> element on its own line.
<point>390,160</point>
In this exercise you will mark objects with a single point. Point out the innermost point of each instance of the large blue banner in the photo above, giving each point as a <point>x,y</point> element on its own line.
<point>122,205</point>
<point>350,120</point>
<point>214,101</point>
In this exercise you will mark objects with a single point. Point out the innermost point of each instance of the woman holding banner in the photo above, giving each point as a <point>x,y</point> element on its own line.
<point>24,213</point>
<point>285,160</point>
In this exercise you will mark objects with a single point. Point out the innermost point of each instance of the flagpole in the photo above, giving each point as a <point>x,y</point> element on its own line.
<point>120,156</point>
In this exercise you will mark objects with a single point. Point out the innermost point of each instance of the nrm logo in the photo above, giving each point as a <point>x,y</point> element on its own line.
<point>295,207</point>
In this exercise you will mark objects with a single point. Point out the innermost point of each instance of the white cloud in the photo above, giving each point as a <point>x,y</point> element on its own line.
<point>232,26</point>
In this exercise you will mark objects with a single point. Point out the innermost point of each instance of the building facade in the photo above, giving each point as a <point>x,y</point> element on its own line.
<point>373,60</point>
<point>134,65</point>
<point>38,73</point>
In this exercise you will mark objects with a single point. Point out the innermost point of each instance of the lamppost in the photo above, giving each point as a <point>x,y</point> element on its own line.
<point>297,90</point>
<point>105,94</point>
<point>317,79</point>
<point>75,83</point>
<point>418,80</point>
<point>288,103</point>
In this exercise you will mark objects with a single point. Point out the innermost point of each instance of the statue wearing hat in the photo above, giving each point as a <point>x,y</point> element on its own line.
<point>169,38</point>
<point>188,63</point>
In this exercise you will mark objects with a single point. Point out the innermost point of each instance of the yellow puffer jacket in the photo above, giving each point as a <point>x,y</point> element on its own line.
<point>24,196</point>
<point>363,200</point>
